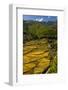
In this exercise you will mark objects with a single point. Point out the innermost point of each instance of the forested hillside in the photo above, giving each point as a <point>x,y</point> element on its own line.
<point>40,47</point>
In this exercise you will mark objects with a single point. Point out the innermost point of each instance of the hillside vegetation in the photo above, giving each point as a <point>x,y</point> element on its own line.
<point>40,47</point>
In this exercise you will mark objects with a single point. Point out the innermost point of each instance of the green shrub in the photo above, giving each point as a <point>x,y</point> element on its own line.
<point>53,66</point>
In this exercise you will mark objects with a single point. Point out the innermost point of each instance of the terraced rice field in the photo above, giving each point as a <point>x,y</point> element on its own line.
<point>36,57</point>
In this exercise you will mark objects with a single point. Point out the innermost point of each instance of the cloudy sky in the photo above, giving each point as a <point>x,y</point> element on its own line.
<point>39,18</point>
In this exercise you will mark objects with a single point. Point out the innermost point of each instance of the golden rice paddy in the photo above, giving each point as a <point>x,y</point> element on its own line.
<point>35,57</point>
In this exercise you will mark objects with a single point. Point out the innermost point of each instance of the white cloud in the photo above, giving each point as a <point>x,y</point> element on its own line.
<point>39,19</point>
